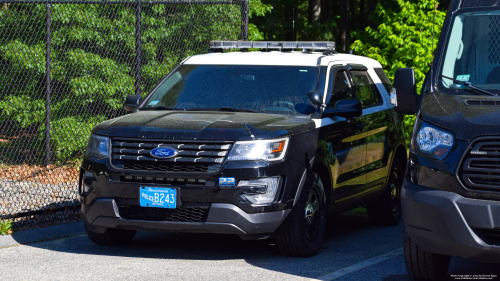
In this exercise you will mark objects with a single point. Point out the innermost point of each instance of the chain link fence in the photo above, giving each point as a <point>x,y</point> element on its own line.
<point>66,66</point>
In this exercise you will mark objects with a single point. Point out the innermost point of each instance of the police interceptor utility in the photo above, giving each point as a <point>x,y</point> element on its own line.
<point>262,144</point>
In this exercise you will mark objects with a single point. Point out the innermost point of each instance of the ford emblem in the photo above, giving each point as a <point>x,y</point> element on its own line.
<point>163,152</point>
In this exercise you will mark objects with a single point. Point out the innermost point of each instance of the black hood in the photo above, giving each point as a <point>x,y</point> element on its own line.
<point>203,125</point>
<point>467,116</point>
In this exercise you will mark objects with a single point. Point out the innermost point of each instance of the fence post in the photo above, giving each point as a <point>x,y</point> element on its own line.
<point>244,15</point>
<point>47,94</point>
<point>138,54</point>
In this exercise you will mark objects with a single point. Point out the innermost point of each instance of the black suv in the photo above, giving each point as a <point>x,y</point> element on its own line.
<point>258,144</point>
<point>451,192</point>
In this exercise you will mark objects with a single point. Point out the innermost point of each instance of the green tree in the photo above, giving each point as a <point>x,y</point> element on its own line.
<point>404,39</point>
<point>259,9</point>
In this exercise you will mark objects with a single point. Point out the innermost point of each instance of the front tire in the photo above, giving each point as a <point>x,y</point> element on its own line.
<point>305,235</point>
<point>386,210</point>
<point>110,236</point>
<point>422,265</point>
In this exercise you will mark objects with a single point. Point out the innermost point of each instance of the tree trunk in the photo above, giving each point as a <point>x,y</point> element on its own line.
<point>325,11</point>
<point>372,4</point>
<point>314,12</point>
<point>270,34</point>
<point>343,36</point>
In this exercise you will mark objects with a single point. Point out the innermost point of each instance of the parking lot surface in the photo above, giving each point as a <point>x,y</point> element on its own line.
<point>353,249</point>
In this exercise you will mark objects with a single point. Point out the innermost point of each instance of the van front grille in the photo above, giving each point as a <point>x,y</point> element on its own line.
<point>480,166</point>
<point>192,156</point>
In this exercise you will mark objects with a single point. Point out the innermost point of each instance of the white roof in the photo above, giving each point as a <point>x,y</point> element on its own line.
<point>277,58</point>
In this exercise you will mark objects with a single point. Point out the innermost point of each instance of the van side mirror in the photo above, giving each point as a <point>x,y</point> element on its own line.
<point>405,99</point>
<point>345,108</point>
<point>316,98</point>
<point>132,102</point>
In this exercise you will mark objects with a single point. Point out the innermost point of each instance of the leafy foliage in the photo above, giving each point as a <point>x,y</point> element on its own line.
<point>5,227</point>
<point>404,39</point>
<point>256,8</point>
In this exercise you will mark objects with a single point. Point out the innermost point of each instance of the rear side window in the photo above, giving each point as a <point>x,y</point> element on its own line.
<point>365,90</point>
<point>383,77</point>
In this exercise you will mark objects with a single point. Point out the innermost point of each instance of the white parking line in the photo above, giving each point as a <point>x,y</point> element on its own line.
<point>355,267</point>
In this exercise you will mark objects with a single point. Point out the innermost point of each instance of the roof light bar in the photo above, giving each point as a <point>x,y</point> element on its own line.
<point>307,45</point>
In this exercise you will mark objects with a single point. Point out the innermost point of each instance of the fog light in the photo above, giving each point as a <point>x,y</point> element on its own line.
<point>261,191</point>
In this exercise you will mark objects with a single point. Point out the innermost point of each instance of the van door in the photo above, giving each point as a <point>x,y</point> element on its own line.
<point>343,140</point>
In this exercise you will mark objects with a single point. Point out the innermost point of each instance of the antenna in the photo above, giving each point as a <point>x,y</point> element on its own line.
<point>431,88</point>
<point>293,24</point>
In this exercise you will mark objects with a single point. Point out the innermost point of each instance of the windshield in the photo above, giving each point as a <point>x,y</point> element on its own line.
<point>473,52</point>
<point>274,89</point>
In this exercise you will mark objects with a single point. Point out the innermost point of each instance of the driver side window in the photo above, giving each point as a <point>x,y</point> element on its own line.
<point>341,89</point>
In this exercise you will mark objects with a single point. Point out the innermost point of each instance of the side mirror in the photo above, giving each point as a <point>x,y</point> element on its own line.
<point>345,108</point>
<point>316,98</point>
<point>132,102</point>
<point>404,94</point>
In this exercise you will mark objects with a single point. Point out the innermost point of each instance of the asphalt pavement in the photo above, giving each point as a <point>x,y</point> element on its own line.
<point>353,249</point>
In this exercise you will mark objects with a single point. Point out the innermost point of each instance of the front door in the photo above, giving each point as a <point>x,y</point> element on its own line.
<point>376,122</point>
<point>344,141</point>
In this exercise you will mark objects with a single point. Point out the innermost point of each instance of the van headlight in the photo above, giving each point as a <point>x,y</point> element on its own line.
<point>260,191</point>
<point>431,141</point>
<point>266,150</point>
<point>97,146</point>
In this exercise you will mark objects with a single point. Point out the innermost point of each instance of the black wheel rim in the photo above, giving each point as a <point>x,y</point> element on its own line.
<point>395,188</point>
<point>313,214</point>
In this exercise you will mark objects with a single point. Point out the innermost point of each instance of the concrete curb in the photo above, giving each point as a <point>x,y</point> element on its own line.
<point>41,234</point>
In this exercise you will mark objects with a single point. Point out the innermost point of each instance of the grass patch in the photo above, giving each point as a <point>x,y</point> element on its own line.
<point>5,227</point>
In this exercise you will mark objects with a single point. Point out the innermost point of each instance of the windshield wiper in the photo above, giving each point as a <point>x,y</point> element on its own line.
<point>469,85</point>
<point>160,108</point>
<point>224,109</point>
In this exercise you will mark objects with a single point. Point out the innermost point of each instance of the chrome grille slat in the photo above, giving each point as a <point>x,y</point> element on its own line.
<point>480,166</point>
<point>193,156</point>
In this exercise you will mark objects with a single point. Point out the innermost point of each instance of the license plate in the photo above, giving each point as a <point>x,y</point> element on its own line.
<point>158,197</point>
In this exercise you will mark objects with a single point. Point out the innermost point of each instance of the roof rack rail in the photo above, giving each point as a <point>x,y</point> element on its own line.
<point>219,46</point>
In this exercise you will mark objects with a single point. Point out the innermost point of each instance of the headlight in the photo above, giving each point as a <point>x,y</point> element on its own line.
<point>98,146</point>
<point>431,141</point>
<point>260,191</point>
<point>267,150</point>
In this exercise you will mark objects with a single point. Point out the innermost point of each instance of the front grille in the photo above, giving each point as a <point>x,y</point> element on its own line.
<point>192,157</point>
<point>189,213</point>
<point>480,166</point>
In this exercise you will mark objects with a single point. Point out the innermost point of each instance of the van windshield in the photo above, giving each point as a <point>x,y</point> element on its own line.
<point>473,52</point>
<point>274,89</point>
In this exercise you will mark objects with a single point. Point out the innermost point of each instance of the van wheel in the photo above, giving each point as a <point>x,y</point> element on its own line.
<point>111,236</point>
<point>305,234</point>
<point>386,210</point>
<point>422,265</point>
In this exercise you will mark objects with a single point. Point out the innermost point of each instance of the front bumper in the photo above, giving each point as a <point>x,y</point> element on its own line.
<point>446,223</point>
<point>222,218</point>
